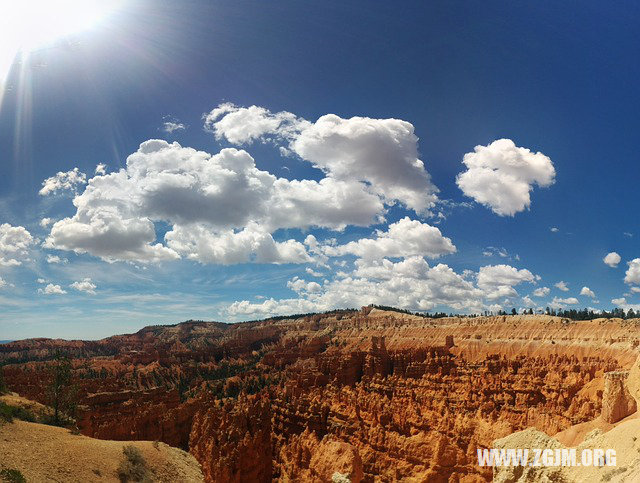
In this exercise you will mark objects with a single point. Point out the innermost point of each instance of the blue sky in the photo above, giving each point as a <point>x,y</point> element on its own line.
<point>559,80</point>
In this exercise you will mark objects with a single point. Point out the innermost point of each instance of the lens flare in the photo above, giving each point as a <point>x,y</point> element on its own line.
<point>28,25</point>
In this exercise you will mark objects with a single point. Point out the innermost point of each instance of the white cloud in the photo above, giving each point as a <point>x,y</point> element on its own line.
<point>312,272</point>
<point>302,286</point>
<point>501,176</point>
<point>56,259</point>
<point>85,285</point>
<point>409,284</point>
<point>635,289</point>
<point>587,292</point>
<point>404,238</point>
<point>381,152</point>
<point>528,302</point>
<point>562,286</point>
<point>619,301</point>
<point>559,303</point>
<point>41,280</point>
<point>2,283</point>
<point>223,197</point>
<point>45,222</point>
<point>554,229</point>
<point>63,181</point>
<point>170,127</point>
<point>101,169</point>
<point>241,125</point>
<point>612,259</point>
<point>52,289</point>
<point>497,281</point>
<point>541,292</point>
<point>632,274</point>
<point>14,244</point>
<point>252,244</point>
<point>493,251</point>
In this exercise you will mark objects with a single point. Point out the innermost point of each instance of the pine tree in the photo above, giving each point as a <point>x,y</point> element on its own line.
<point>61,393</point>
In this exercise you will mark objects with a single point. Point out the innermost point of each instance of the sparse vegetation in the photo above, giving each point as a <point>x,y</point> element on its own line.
<point>12,476</point>
<point>8,413</point>
<point>133,466</point>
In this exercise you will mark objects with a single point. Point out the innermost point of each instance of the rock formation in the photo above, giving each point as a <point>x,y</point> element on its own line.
<point>617,402</point>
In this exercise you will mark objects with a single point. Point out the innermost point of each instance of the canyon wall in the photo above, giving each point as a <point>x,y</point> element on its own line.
<point>361,395</point>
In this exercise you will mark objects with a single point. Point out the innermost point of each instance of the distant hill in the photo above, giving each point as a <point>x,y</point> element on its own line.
<point>5,341</point>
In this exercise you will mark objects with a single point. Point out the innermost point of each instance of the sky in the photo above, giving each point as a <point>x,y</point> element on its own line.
<point>231,160</point>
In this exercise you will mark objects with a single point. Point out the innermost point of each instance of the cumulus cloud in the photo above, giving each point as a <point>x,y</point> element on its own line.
<point>52,289</point>
<point>241,125</point>
<point>554,229</point>
<point>560,303</point>
<point>501,176</point>
<point>223,197</point>
<point>541,292</point>
<point>498,281</point>
<point>2,283</point>
<point>302,286</point>
<point>252,244</point>
<point>619,301</point>
<point>612,259</point>
<point>85,285</point>
<point>14,244</point>
<point>381,152</point>
<point>410,284</point>
<point>562,286</point>
<point>587,292</point>
<point>404,238</point>
<point>633,272</point>
<point>63,181</point>
<point>101,169</point>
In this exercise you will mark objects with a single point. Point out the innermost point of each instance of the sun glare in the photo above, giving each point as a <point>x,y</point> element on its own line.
<point>28,25</point>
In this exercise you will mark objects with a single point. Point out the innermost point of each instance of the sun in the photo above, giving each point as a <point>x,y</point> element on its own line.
<point>27,25</point>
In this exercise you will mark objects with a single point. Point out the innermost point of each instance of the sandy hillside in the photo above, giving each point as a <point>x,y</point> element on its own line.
<point>48,453</point>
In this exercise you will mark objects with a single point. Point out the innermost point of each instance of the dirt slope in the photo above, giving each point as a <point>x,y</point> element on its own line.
<point>48,453</point>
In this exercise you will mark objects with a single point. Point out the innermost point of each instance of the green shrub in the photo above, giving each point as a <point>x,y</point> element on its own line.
<point>133,466</point>
<point>12,476</point>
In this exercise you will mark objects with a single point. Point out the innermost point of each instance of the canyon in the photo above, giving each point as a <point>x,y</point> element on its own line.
<point>352,395</point>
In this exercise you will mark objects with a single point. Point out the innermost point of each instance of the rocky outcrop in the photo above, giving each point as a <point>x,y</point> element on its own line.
<point>305,457</point>
<point>617,402</point>
<point>232,440</point>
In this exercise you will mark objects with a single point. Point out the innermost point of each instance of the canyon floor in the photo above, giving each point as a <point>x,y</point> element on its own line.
<point>367,395</point>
